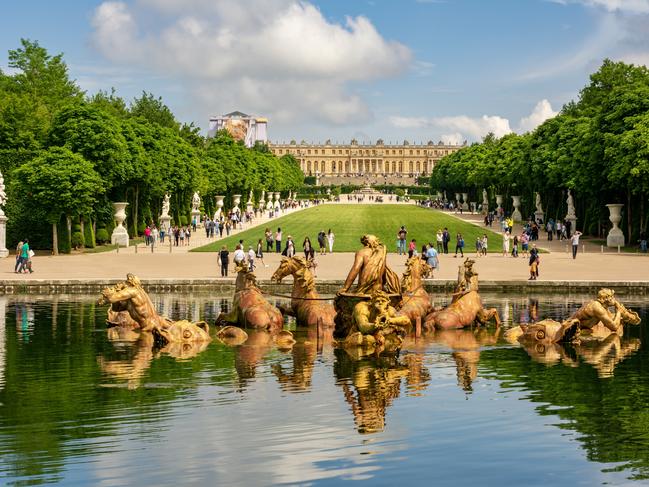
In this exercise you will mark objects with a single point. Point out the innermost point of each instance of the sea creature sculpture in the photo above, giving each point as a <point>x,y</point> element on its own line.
<point>306,304</point>
<point>416,302</point>
<point>249,307</point>
<point>466,305</point>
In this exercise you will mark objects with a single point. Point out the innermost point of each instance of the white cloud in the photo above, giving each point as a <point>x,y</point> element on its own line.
<point>542,111</point>
<point>458,128</point>
<point>632,6</point>
<point>279,58</point>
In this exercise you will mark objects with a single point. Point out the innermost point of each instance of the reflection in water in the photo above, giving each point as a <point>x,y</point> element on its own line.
<point>59,423</point>
<point>370,383</point>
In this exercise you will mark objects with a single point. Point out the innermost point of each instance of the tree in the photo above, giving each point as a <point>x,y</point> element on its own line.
<point>60,183</point>
<point>154,110</point>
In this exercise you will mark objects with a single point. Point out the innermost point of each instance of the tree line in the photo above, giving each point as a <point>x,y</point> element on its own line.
<point>597,146</point>
<point>67,155</point>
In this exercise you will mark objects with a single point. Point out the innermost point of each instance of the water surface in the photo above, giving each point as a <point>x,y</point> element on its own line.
<point>453,408</point>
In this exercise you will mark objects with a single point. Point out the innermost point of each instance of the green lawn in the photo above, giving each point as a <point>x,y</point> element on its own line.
<point>350,222</point>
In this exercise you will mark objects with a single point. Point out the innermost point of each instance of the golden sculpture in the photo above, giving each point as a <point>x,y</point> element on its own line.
<point>416,302</point>
<point>371,269</point>
<point>130,297</point>
<point>306,305</point>
<point>466,305</point>
<point>374,322</point>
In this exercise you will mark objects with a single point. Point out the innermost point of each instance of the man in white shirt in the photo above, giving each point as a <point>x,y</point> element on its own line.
<point>251,259</point>
<point>575,243</point>
<point>239,255</point>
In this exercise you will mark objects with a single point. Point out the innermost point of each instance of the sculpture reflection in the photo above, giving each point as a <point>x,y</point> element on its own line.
<point>371,383</point>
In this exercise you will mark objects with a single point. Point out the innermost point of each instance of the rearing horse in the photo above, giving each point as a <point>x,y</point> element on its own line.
<point>416,302</point>
<point>306,304</point>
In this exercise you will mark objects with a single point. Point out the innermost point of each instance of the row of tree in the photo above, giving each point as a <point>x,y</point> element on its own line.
<point>67,155</point>
<point>598,146</point>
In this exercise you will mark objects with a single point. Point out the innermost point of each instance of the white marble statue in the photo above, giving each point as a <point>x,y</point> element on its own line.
<point>571,205</point>
<point>485,198</point>
<point>166,205</point>
<point>196,202</point>
<point>539,208</point>
<point>3,195</point>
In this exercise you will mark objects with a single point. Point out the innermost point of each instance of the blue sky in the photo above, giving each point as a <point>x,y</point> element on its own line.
<point>408,69</point>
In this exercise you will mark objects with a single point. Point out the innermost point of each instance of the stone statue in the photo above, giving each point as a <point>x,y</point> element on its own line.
<point>485,198</point>
<point>3,195</point>
<point>371,269</point>
<point>196,202</point>
<point>571,205</point>
<point>165,205</point>
<point>539,208</point>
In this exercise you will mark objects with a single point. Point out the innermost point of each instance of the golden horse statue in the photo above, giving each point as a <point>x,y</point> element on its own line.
<point>416,302</point>
<point>466,306</point>
<point>250,309</point>
<point>306,304</point>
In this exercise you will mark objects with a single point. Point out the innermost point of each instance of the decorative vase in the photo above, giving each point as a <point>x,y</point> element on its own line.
<point>219,207</point>
<point>236,200</point>
<point>516,214</point>
<point>615,236</point>
<point>120,234</point>
<point>465,204</point>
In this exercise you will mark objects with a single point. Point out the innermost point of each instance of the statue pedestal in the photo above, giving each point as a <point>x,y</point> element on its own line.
<point>165,223</point>
<point>539,215</point>
<point>615,236</point>
<point>119,236</point>
<point>196,217</point>
<point>3,236</point>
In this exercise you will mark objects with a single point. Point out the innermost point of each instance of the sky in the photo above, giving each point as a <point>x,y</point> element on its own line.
<point>416,70</point>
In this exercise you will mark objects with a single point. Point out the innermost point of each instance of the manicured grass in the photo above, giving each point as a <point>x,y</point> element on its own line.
<point>350,222</point>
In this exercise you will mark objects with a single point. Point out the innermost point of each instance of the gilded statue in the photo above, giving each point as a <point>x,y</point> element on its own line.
<point>466,305</point>
<point>371,269</point>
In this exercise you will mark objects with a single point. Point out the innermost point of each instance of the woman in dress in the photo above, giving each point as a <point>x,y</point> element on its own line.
<point>330,240</point>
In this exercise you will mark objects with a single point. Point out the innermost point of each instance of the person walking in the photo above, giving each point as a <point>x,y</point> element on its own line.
<point>525,241</point>
<point>574,239</point>
<point>239,255</point>
<point>268,235</point>
<point>19,260</point>
<point>515,246</point>
<point>506,239</point>
<point>322,242</point>
<point>534,262</point>
<point>485,244</point>
<point>459,244</point>
<point>440,241</point>
<point>432,258</point>
<point>307,248</point>
<point>25,255</point>
<point>478,246</point>
<point>251,259</point>
<point>401,240</point>
<point>446,238</point>
<point>330,240</point>
<point>259,253</point>
<point>412,247</point>
<point>224,259</point>
<point>278,241</point>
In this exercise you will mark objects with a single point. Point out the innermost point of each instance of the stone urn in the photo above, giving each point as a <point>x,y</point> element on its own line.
<point>516,214</point>
<point>465,204</point>
<point>262,200</point>
<point>277,203</point>
<point>236,201</point>
<point>499,202</point>
<point>219,207</point>
<point>615,236</point>
<point>120,234</point>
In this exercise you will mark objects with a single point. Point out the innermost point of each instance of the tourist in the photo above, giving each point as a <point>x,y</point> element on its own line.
<point>224,260</point>
<point>524,239</point>
<point>321,242</point>
<point>181,236</point>
<point>559,229</point>
<point>259,253</point>
<point>19,260</point>
<point>478,246</point>
<point>289,250</point>
<point>154,235</point>
<point>459,244</point>
<point>534,262</point>
<point>221,227</point>
<point>26,254</point>
<point>432,258</point>
<point>268,235</point>
<point>251,259</point>
<point>147,235</point>
<point>549,228</point>
<point>567,227</point>
<point>506,239</point>
<point>208,225</point>
<point>307,248</point>
<point>278,240</point>
<point>412,248</point>
<point>575,242</point>
<point>401,240</point>
<point>239,255</point>
<point>515,246</point>
<point>228,227</point>
<point>188,234</point>
<point>643,242</point>
<point>330,240</point>
<point>446,238</point>
<point>440,241</point>
<point>485,244</point>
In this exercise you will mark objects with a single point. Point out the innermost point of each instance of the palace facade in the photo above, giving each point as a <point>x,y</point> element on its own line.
<point>379,162</point>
